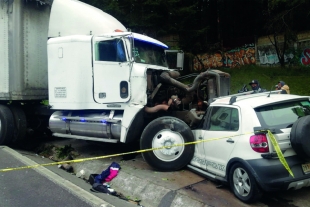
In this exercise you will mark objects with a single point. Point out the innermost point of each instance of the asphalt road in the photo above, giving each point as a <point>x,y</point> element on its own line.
<point>30,188</point>
<point>43,187</point>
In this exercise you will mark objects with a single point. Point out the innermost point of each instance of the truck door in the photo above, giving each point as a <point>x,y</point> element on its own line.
<point>111,70</point>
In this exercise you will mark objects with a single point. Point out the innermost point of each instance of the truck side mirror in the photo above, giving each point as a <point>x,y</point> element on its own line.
<point>175,59</point>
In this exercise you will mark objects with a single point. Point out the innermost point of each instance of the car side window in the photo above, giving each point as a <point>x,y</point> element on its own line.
<point>222,119</point>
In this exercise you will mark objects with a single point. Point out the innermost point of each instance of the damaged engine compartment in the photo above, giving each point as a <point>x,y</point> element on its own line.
<point>185,97</point>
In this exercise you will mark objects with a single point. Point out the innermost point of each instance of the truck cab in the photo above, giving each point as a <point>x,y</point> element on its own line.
<point>103,82</point>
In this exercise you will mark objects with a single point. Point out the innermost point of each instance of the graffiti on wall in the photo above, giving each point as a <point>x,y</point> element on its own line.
<point>268,55</point>
<point>231,59</point>
<point>305,57</point>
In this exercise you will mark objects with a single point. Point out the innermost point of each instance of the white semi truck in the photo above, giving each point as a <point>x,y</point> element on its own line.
<point>102,82</point>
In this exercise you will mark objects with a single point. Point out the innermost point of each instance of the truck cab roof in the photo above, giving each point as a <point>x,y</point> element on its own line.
<point>77,17</point>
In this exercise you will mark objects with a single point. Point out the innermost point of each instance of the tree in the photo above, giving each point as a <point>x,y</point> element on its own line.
<point>239,21</point>
<point>162,17</point>
<point>281,23</point>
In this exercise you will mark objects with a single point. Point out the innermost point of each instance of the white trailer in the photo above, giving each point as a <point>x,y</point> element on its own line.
<point>102,82</point>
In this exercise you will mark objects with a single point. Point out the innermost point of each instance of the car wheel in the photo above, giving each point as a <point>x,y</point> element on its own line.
<point>20,124</point>
<point>165,132</point>
<point>300,137</point>
<point>6,125</point>
<point>243,184</point>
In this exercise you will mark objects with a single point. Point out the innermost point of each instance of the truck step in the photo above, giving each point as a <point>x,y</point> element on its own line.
<point>97,139</point>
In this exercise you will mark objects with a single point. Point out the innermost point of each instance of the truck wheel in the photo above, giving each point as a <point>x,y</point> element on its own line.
<point>20,124</point>
<point>6,125</point>
<point>243,184</point>
<point>300,137</point>
<point>167,131</point>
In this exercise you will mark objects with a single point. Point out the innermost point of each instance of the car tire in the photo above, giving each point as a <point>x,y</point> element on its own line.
<point>243,184</point>
<point>6,125</point>
<point>165,131</point>
<point>300,137</point>
<point>20,124</point>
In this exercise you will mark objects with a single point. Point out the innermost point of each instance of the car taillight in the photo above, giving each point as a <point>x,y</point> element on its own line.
<point>259,143</point>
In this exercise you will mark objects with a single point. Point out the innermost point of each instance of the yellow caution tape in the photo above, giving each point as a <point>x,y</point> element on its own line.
<point>114,155</point>
<point>279,153</point>
<point>273,140</point>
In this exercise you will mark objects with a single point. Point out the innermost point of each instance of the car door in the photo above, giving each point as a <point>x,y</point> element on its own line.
<point>111,70</point>
<point>218,135</point>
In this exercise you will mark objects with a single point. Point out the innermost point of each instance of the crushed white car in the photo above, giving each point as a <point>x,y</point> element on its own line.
<point>233,146</point>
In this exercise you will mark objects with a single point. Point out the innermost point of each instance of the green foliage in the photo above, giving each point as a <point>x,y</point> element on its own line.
<point>296,78</point>
<point>46,150</point>
<point>187,19</point>
<point>45,102</point>
<point>203,26</point>
<point>274,4</point>
<point>63,152</point>
<point>284,18</point>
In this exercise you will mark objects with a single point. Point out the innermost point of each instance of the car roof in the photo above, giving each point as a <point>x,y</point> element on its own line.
<point>257,100</point>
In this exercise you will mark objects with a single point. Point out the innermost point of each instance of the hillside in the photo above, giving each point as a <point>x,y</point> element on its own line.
<point>298,79</point>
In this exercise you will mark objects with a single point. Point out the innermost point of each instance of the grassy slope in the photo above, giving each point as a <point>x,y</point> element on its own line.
<point>298,79</point>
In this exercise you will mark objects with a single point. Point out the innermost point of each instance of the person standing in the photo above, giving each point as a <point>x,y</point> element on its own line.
<point>256,87</point>
<point>283,87</point>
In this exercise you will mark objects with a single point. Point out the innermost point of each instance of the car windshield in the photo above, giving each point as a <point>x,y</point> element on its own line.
<point>282,115</point>
<point>149,53</point>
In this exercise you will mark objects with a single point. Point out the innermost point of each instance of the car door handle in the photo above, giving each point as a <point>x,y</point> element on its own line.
<point>230,140</point>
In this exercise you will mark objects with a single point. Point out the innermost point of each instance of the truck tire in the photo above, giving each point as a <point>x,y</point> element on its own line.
<point>300,139</point>
<point>20,124</point>
<point>6,125</point>
<point>243,184</point>
<point>167,131</point>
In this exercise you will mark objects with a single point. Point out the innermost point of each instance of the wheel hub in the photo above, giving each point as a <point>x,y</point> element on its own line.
<point>168,149</point>
<point>241,182</point>
<point>166,141</point>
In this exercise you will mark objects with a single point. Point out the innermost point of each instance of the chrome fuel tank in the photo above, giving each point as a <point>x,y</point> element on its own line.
<point>100,124</point>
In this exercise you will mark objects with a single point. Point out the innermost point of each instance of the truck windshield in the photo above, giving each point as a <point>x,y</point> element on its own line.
<point>282,115</point>
<point>149,53</point>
